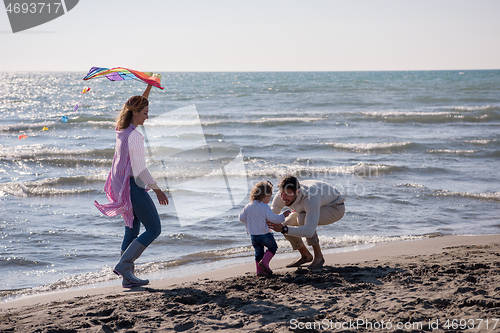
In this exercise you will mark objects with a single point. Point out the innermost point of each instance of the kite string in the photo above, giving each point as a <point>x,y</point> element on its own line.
<point>64,119</point>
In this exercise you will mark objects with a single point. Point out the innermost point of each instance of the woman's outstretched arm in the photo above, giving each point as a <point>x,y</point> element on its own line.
<point>145,94</point>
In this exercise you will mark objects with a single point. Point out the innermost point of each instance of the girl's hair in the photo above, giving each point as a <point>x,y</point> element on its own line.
<point>261,190</point>
<point>135,103</point>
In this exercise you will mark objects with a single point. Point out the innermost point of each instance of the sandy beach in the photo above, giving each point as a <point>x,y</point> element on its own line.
<point>444,284</point>
<point>396,105</point>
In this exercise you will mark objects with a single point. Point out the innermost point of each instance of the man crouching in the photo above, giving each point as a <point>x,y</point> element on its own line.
<point>313,202</point>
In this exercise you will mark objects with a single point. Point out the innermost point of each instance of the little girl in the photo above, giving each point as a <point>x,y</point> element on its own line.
<point>254,215</point>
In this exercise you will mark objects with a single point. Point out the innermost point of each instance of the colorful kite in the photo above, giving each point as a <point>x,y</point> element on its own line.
<point>120,74</point>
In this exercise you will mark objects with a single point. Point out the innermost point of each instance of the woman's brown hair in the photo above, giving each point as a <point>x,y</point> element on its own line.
<point>135,103</point>
<point>261,190</point>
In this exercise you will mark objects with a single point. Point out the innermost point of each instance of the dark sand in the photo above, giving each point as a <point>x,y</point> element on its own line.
<point>454,282</point>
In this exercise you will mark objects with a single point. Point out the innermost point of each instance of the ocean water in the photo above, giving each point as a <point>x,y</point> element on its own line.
<point>416,154</point>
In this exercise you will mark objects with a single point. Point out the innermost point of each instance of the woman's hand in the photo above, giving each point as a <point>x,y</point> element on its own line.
<point>162,197</point>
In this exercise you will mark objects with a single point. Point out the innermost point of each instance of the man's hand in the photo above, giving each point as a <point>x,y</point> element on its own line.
<point>276,227</point>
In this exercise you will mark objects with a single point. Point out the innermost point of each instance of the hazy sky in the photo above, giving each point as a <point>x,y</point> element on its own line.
<point>271,35</point>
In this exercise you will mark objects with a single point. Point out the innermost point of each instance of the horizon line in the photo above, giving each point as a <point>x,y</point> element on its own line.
<point>278,71</point>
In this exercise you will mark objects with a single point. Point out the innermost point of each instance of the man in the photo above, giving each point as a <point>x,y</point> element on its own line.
<point>314,202</point>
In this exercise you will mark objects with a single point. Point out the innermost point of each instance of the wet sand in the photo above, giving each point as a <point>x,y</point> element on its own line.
<point>444,284</point>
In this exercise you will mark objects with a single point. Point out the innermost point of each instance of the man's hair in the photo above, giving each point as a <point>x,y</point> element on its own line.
<point>289,182</point>
<point>261,190</point>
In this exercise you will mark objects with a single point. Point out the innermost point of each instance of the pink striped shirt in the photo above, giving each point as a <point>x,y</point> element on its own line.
<point>138,159</point>
<point>129,160</point>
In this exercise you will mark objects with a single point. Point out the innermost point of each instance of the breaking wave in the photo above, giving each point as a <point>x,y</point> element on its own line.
<point>363,147</point>
<point>451,151</point>
<point>263,121</point>
<point>486,196</point>
<point>360,169</point>
<point>39,151</point>
<point>455,114</point>
<point>53,186</point>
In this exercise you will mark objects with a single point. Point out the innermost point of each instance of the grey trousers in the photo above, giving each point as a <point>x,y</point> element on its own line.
<point>328,215</point>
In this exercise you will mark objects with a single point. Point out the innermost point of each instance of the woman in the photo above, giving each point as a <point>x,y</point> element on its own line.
<point>128,197</point>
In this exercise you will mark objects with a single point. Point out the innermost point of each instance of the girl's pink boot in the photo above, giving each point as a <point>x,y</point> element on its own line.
<point>264,263</point>
<point>260,271</point>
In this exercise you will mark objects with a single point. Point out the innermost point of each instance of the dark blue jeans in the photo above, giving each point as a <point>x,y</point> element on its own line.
<point>261,241</point>
<point>144,212</point>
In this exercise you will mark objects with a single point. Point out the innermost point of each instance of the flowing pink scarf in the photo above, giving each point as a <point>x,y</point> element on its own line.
<point>117,186</point>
